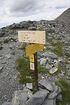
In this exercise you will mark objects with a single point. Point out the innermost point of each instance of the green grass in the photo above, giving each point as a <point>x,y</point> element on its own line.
<point>41,69</point>
<point>23,46</point>
<point>23,69</point>
<point>59,68</point>
<point>65,87</point>
<point>58,48</point>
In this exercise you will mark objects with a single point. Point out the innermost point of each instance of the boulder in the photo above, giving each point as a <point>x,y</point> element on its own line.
<point>46,84</point>
<point>50,102</point>
<point>38,98</point>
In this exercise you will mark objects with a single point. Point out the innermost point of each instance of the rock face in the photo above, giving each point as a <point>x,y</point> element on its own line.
<point>65,17</point>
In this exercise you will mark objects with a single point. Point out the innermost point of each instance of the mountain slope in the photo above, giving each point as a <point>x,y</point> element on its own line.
<point>65,17</point>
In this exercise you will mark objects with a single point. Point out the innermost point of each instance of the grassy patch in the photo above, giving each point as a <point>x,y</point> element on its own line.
<point>59,68</point>
<point>23,69</point>
<point>23,46</point>
<point>41,69</point>
<point>65,87</point>
<point>58,48</point>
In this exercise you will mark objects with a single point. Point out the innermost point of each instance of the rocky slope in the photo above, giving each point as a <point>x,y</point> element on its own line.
<point>56,33</point>
<point>8,75</point>
<point>65,18</point>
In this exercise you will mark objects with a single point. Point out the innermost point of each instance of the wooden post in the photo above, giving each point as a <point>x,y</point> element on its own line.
<point>36,39</point>
<point>35,75</point>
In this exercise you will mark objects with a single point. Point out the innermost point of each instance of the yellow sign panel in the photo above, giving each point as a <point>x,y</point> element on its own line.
<point>32,37</point>
<point>31,58</point>
<point>33,48</point>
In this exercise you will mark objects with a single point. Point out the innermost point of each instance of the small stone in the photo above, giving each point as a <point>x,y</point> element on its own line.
<point>29,85</point>
<point>1,69</point>
<point>48,66</point>
<point>42,61</point>
<point>53,70</point>
<point>13,52</point>
<point>8,56</point>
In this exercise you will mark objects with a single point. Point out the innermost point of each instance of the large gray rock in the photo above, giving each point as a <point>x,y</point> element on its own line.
<point>38,98</point>
<point>55,93</point>
<point>49,102</point>
<point>47,84</point>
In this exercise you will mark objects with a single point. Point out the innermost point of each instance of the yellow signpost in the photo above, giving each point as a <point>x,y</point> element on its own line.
<point>33,48</point>
<point>31,57</point>
<point>36,40</point>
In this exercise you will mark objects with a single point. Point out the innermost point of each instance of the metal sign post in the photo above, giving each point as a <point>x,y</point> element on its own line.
<point>34,74</point>
<point>37,41</point>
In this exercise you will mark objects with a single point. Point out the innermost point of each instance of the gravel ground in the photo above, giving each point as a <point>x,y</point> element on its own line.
<point>8,73</point>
